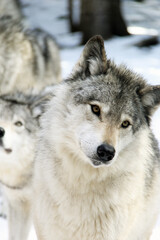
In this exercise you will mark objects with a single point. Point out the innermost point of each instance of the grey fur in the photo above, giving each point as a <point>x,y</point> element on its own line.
<point>11,8</point>
<point>19,117</point>
<point>29,59</point>
<point>78,196</point>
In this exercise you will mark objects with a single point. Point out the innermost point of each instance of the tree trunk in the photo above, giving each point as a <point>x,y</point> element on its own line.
<point>70,15</point>
<point>118,25</point>
<point>139,0</point>
<point>74,26</point>
<point>101,17</point>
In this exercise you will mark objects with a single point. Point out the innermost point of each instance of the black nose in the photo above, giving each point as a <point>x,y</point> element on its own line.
<point>2,132</point>
<point>105,152</point>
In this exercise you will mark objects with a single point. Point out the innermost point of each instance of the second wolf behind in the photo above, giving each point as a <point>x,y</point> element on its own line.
<point>11,8</point>
<point>19,122</point>
<point>28,59</point>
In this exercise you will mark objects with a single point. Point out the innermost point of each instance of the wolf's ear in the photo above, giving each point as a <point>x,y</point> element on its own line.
<point>38,105</point>
<point>150,97</point>
<point>92,60</point>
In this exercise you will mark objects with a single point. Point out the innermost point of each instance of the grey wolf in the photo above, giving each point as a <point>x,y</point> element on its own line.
<point>97,166</point>
<point>11,8</point>
<point>19,122</point>
<point>29,59</point>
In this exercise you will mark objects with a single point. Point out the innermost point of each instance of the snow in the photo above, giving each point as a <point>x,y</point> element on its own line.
<point>144,15</point>
<point>51,15</point>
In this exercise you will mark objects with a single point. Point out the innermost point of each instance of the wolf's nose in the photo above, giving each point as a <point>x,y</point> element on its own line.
<point>105,152</point>
<point>2,132</point>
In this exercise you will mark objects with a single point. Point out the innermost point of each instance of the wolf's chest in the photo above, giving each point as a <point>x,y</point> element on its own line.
<point>88,216</point>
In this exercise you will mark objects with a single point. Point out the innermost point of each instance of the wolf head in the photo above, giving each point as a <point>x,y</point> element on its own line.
<point>17,128</point>
<point>101,109</point>
<point>19,122</point>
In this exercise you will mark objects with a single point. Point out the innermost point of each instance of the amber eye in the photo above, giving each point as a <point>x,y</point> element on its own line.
<point>95,109</point>
<point>19,124</point>
<point>125,124</point>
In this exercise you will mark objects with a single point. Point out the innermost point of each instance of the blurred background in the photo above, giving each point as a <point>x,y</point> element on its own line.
<point>85,18</point>
<point>131,29</point>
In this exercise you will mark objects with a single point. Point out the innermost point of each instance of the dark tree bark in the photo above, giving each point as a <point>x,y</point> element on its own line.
<point>118,25</point>
<point>70,9</point>
<point>102,17</point>
<point>139,0</point>
<point>74,26</point>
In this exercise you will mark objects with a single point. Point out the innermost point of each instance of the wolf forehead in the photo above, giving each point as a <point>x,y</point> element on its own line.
<point>10,111</point>
<point>116,85</point>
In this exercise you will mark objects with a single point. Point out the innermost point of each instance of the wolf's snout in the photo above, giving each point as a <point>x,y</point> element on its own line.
<point>105,152</point>
<point>2,132</point>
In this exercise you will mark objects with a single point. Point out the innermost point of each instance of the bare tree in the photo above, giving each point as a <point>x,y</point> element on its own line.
<point>74,23</point>
<point>139,0</point>
<point>102,17</point>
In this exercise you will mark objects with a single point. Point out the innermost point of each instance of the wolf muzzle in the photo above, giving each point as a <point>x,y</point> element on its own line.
<point>105,152</point>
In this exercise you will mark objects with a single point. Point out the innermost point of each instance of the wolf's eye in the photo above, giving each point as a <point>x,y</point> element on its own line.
<point>18,124</point>
<point>95,110</point>
<point>125,124</point>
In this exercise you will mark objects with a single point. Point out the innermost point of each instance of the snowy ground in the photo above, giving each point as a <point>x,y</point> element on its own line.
<point>51,15</point>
